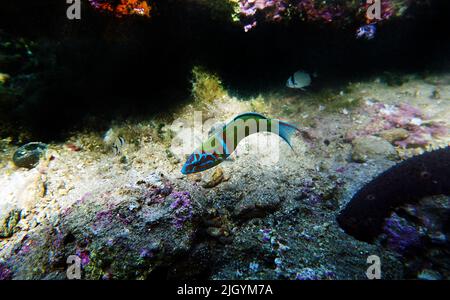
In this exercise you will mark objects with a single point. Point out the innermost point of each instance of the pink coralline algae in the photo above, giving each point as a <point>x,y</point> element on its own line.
<point>272,10</point>
<point>104,218</point>
<point>420,129</point>
<point>320,12</point>
<point>152,191</point>
<point>307,193</point>
<point>387,9</point>
<point>84,256</point>
<point>104,215</point>
<point>157,195</point>
<point>249,12</point>
<point>5,272</point>
<point>183,208</point>
<point>26,248</point>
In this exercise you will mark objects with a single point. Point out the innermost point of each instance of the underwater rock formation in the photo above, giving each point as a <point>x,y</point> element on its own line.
<point>28,155</point>
<point>251,11</point>
<point>5,273</point>
<point>123,8</point>
<point>116,95</point>
<point>419,233</point>
<point>130,239</point>
<point>370,147</point>
<point>400,236</point>
<point>419,176</point>
<point>403,125</point>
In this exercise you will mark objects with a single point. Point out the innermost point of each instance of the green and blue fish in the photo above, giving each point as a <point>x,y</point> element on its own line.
<point>224,141</point>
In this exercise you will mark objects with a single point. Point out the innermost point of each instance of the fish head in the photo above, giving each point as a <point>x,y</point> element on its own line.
<point>200,161</point>
<point>289,83</point>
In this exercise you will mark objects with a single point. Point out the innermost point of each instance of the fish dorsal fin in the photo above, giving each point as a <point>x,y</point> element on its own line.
<point>249,114</point>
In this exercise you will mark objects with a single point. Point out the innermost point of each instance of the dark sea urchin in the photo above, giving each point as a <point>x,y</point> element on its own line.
<point>409,181</point>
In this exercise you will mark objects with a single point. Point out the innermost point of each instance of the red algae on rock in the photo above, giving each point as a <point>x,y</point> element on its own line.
<point>124,8</point>
<point>419,128</point>
<point>250,12</point>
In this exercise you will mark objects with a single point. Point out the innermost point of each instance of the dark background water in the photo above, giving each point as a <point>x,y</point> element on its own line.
<point>108,68</point>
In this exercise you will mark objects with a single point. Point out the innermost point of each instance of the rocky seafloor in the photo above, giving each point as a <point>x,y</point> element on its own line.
<point>128,213</point>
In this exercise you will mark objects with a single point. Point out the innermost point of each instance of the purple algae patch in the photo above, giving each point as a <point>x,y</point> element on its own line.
<point>5,272</point>
<point>400,236</point>
<point>84,256</point>
<point>183,208</point>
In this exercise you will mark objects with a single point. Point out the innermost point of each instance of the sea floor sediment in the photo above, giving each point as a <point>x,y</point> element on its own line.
<point>265,213</point>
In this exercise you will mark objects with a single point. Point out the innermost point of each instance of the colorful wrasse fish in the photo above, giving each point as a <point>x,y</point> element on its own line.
<point>224,141</point>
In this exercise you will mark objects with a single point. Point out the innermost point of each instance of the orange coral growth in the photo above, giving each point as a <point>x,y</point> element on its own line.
<point>125,8</point>
<point>133,7</point>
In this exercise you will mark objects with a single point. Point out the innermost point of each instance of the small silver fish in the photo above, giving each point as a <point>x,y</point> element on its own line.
<point>118,144</point>
<point>299,80</point>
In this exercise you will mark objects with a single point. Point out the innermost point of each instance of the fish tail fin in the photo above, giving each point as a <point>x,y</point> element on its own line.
<point>286,131</point>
